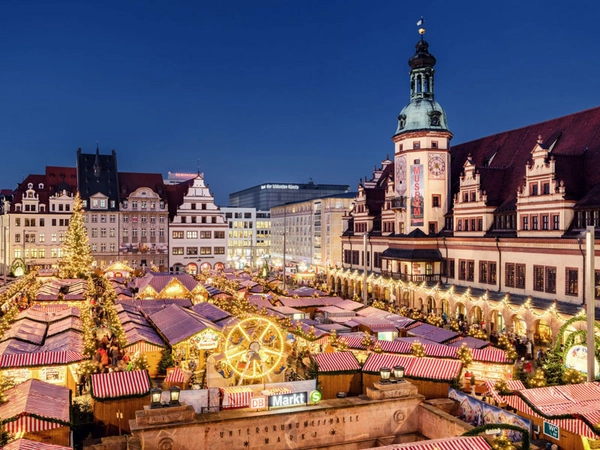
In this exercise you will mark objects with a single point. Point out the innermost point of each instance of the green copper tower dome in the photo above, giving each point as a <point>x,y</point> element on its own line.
<point>423,113</point>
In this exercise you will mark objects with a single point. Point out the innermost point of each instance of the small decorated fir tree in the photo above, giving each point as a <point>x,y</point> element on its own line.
<point>537,380</point>
<point>417,349</point>
<point>367,340</point>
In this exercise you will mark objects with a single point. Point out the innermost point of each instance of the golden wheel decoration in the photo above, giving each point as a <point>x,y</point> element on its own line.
<point>254,349</point>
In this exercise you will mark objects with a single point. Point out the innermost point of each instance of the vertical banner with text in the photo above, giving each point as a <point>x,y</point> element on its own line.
<point>416,198</point>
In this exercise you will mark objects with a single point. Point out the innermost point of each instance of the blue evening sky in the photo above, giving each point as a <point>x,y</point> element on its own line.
<point>274,91</point>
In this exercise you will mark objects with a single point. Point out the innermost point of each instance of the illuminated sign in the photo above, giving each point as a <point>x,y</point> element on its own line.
<point>206,339</point>
<point>258,402</point>
<point>576,358</point>
<point>315,396</point>
<point>280,186</point>
<point>295,399</point>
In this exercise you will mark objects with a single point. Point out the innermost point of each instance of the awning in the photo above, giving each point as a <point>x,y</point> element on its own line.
<point>490,354</point>
<point>413,254</point>
<point>26,444</point>
<point>177,375</point>
<point>39,359</point>
<point>120,384</point>
<point>336,362</point>
<point>435,369</point>
<point>455,443</point>
<point>376,361</point>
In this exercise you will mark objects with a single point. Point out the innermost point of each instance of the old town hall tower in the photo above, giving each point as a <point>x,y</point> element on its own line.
<point>422,151</point>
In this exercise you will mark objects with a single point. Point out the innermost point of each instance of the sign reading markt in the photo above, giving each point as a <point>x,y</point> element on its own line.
<point>551,430</point>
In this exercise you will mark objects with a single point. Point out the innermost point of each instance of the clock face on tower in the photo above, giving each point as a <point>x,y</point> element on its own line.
<point>437,166</point>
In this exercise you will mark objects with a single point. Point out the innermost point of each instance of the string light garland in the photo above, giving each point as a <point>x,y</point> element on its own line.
<point>76,260</point>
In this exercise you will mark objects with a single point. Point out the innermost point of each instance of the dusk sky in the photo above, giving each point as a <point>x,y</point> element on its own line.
<point>275,91</point>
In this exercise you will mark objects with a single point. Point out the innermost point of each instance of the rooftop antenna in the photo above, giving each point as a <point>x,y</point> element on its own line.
<point>421,28</point>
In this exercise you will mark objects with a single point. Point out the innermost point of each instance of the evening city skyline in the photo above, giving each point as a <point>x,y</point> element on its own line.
<point>274,91</point>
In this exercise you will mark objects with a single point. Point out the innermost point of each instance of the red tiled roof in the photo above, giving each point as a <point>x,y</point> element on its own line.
<point>501,158</point>
<point>131,181</point>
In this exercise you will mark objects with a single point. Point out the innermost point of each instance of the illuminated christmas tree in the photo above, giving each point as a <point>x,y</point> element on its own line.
<point>572,376</point>
<point>465,355</point>
<point>76,260</point>
<point>417,349</point>
<point>538,379</point>
<point>367,340</point>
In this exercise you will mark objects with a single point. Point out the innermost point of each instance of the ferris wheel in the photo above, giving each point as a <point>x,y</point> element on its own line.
<point>254,349</point>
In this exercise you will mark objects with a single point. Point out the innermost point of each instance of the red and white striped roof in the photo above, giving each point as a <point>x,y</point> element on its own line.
<point>396,346</point>
<point>120,384</point>
<point>376,361</point>
<point>26,444</point>
<point>39,359</point>
<point>513,385</point>
<point>490,354</point>
<point>35,398</point>
<point>435,369</point>
<point>354,342</point>
<point>177,376</point>
<point>336,362</point>
<point>575,426</point>
<point>454,443</point>
<point>440,351</point>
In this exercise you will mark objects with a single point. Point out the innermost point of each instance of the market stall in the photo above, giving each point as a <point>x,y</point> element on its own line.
<point>38,411</point>
<point>176,377</point>
<point>119,392</point>
<point>453,443</point>
<point>236,397</point>
<point>564,414</point>
<point>338,372</point>
<point>432,376</point>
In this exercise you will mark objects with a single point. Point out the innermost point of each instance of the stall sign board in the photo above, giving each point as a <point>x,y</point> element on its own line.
<point>294,399</point>
<point>551,430</point>
<point>258,402</point>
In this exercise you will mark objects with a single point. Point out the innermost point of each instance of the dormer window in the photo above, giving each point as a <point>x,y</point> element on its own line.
<point>434,118</point>
<point>401,121</point>
<point>30,186</point>
<point>41,186</point>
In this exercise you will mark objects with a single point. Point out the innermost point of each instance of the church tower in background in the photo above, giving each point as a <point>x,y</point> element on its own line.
<point>422,151</point>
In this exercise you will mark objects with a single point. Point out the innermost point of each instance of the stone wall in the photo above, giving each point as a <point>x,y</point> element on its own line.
<point>354,422</point>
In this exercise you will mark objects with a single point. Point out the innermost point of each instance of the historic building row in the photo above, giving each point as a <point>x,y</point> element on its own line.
<point>504,216</point>
<point>131,217</point>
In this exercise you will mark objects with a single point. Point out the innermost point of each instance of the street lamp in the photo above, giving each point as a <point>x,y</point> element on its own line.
<point>155,394</point>
<point>385,374</point>
<point>399,373</point>
<point>174,396</point>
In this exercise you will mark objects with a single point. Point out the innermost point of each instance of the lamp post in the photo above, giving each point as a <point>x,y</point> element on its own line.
<point>590,236</point>
<point>365,291</point>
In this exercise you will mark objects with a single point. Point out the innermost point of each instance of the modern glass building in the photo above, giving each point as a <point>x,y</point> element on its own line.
<point>264,196</point>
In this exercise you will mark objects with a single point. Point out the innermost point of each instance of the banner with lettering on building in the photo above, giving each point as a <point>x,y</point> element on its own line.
<point>416,195</point>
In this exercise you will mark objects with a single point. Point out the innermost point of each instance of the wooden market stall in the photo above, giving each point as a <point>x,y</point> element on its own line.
<point>191,336</point>
<point>432,376</point>
<point>119,392</point>
<point>38,411</point>
<point>43,344</point>
<point>140,336</point>
<point>338,372</point>
<point>564,414</point>
<point>176,377</point>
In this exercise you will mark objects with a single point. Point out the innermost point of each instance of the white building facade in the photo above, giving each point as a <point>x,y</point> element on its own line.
<point>197,229</point>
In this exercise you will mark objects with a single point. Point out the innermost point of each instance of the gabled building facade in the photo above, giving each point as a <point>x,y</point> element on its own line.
<point>197,228</point>
<point>488,230</point>
<point>37,219</point>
